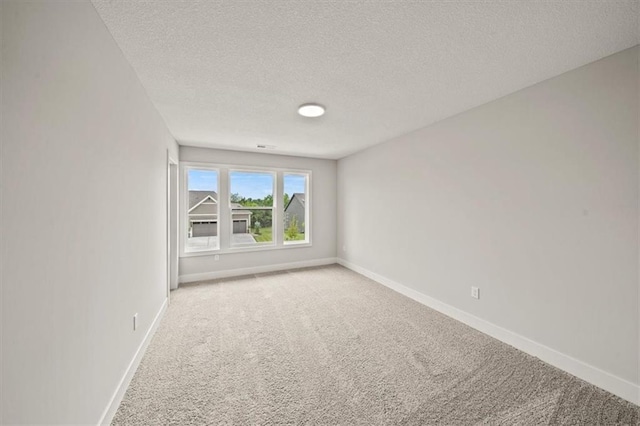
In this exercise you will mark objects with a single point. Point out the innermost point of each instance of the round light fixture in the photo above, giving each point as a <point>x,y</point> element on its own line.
<point>311,110</point>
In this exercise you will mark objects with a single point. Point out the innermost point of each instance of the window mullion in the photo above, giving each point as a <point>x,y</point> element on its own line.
<point>224,208</point>
<point>278,222</point>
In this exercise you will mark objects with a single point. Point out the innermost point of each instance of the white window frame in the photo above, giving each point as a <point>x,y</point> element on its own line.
<point>224,214</point>
<point>307,209</point>
<point>184,210</point>
<point>273,208</point>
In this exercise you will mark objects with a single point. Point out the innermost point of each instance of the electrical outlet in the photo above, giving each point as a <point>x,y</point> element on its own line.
<point>216,257</point>
<point>344,249</point>
<point>475,292</point>
<point>135,321</point>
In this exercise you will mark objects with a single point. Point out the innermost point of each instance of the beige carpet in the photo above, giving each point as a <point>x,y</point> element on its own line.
<point>328,346</point>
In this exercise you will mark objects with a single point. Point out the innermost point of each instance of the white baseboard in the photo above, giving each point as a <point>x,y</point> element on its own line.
<point>116,399</point>
<point>188,278</point>
<point>607,381</point>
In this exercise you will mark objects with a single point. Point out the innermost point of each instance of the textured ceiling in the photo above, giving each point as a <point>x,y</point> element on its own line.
<point>231,74</point>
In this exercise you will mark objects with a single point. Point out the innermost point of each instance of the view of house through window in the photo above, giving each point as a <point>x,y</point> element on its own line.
<point>295,207</point>
<point>261,208</point>
<point>251,200</point>
<point>202,210</point>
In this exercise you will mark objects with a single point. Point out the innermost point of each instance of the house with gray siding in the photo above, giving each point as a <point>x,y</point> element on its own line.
<point>203,215</point>
<point>295,208</point>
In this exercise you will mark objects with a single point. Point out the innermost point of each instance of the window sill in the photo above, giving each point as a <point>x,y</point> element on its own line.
<point>245,249</point>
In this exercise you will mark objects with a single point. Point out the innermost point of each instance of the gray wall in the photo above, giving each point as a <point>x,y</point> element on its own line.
<point>80,137</point>
<point>532,197</point>
<point>323,193</point>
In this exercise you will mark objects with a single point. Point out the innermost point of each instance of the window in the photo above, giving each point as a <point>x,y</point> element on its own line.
<point>230,209</point>
<point>202,225</point>
<point>251,202</point>
<point>296,210</point>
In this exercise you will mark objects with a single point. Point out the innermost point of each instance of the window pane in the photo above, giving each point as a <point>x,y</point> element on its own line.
<point>295,208</point>
<point>252,188</point>
<point>251,207</point>
<point>202,210</point>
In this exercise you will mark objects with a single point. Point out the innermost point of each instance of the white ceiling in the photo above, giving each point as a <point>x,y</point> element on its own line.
<point>232,74</point>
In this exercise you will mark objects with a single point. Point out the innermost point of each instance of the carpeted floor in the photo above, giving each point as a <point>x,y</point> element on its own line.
<point>328,346</point>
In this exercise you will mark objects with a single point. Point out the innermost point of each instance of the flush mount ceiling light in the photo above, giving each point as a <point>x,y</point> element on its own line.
<point>311,110</point>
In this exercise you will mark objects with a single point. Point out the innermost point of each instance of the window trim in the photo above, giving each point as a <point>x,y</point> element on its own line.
<point>307,210</point>
<point>184,207</point>
<point>224,214</point>
<point>274,206</point>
